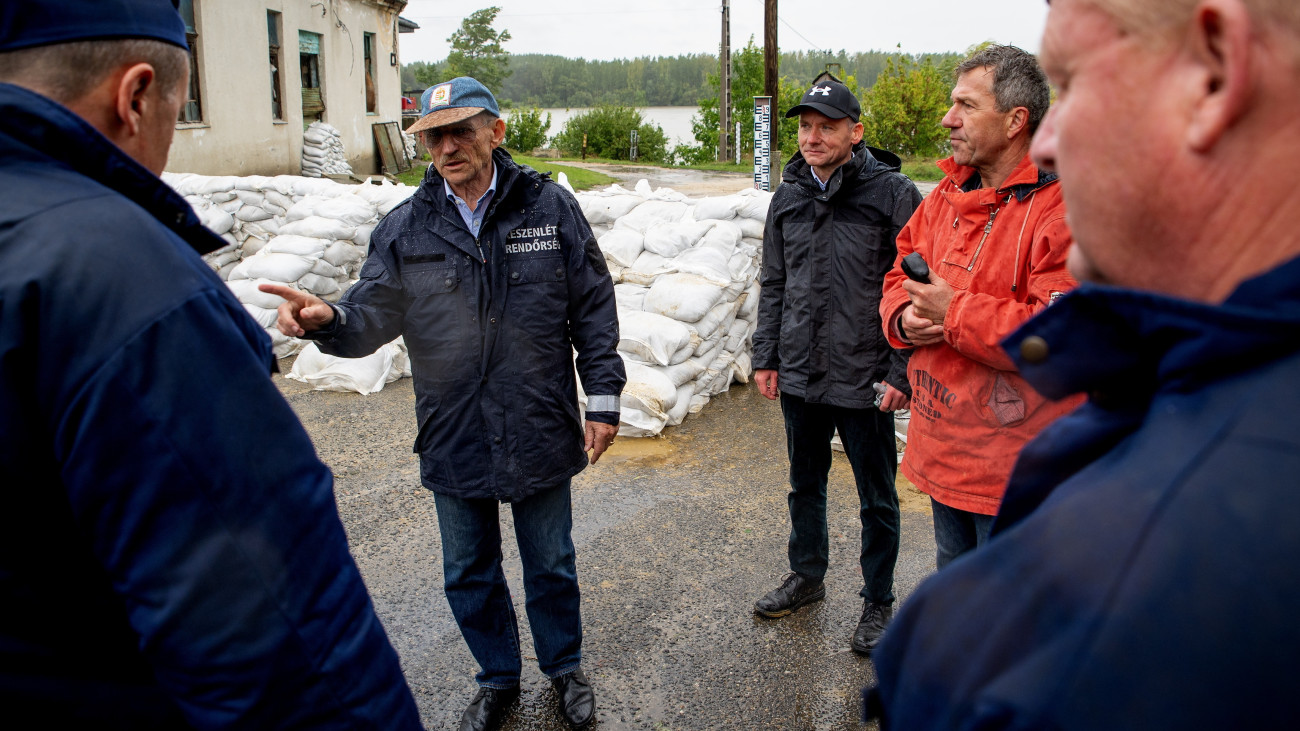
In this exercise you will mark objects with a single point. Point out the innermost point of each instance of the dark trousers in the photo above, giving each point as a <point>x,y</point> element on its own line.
<point>868,438</point>
<point>476,586</point>
<point>957,531</point>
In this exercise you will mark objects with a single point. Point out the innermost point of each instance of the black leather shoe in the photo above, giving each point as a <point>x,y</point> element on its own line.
<point>576,699</point>
<point>795,591</point>
<point>871,626</point>
<point>487,708</point>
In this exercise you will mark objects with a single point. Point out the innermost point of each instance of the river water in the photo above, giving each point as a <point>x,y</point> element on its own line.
<point>675,121</point>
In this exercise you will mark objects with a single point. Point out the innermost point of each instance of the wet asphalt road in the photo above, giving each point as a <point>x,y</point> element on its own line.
<point>676,538</point>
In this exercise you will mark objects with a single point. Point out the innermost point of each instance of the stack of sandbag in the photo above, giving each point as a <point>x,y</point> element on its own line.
<point>308,234</point>
<point>686,283</point>
<point>322,151</point>
<point>408,141</point>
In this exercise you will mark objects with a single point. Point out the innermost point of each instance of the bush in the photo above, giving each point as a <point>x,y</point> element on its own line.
<point>526,131</point>
<point>609,134</point>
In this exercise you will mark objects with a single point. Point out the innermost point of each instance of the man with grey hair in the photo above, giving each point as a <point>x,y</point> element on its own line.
<point>1142,570</point>
<point>173,557</point>
<point>995,239</point>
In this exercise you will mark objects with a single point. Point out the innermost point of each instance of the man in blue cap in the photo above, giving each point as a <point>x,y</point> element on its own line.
<point>174,557</point>
<point>492,276</point>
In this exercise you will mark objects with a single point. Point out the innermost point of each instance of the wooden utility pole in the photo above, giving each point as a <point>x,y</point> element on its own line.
<point>724,98</point>
<point>771,58</point>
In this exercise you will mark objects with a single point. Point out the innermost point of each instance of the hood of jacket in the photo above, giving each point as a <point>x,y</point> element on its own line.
<point>1023,180</point>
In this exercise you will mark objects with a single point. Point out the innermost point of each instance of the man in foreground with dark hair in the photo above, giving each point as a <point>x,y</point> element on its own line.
<point>1141,572</point>
<point>994,237</point>
<point>173,557</point>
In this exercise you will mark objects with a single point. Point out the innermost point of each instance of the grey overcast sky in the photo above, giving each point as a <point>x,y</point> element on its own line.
<point>609,29</point>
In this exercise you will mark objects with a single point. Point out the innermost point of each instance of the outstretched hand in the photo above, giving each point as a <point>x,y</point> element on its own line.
<point>301,313</point>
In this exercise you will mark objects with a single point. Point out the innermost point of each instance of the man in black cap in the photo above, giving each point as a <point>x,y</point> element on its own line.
<point>828,242</point>
<point>174,557</point>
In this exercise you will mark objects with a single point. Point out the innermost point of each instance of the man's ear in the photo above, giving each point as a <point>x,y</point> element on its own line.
<point>1218,44</point>
<point>498,132</point>
<point>1017,122</point>
<point>133,97</point>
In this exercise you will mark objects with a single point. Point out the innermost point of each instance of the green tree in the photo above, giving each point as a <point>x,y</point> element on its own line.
<point>526,130</point>
<point>476,50</point>
<point>419,75</point>
<point>904,108</point>
<point>746,83</point>
<point>608,129</point>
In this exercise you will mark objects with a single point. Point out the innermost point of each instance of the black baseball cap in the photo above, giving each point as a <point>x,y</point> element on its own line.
<point>831,98</point>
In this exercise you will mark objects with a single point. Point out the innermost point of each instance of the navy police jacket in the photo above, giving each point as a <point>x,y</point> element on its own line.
<point>491,325</point>
<point>171,554</point>
<point>1142,572</point>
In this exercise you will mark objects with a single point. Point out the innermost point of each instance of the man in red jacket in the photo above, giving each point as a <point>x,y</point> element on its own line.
<point>995,239</point>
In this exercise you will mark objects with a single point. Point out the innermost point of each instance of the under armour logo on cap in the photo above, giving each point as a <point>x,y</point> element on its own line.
<point>829,97</point>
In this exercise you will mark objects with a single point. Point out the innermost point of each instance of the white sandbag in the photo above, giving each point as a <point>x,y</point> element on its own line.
<point>650,338</point>
<point>750,228</point>
<point>231,206</point>
<point>706,262</point>
<point>725,235</point>
<point>246,291</point>
<point>743,369</point>
<point>684,297</point>
<point>319,227</point>
<point>646,269</point>
<point>264,317</point>
<point>216,220</point>
<point>738,335</point>
<point>342,253</point>
<point>275,267</point>
<point>678,413</point>
<point>249,197</point>
<point>323,268</point>
<point>698,402</point>
<point>749,305</point>
<point>318,285</point>
<point>608,209</point>
<point>670,239</point>
<point>222,257</point>
<point>649,213</point>
<point>362,236</point>
<point>721,208</point>
<point>261,229</point>
<point>683,374</point>
<point>362,375</point>
<point>351,210</point>
<point>755,205</point>
<point>254,244</point>
<point>630,296</point>
<point>649,391</point>
<point>622,246</point>
<point>717,323</point>
<point>282,345</point>
<point>279,199</point>
<point>298,245</point>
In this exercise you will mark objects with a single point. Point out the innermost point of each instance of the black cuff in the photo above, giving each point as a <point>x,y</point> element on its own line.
<point>604,417</point>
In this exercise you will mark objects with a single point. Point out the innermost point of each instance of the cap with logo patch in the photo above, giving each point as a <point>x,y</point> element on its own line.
<point>32,23</point>
<point>453,101</point>
<point>831,98</point>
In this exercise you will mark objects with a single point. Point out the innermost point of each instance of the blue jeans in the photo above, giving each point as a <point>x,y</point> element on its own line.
<point>868,438</point>
<point>476,586</point>
<point>957,531</point>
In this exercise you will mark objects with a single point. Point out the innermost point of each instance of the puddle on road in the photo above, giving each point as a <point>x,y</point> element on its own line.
<point>639,452</point>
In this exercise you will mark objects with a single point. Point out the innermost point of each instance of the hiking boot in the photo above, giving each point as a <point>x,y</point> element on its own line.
<point>795,591</point>
<point>871,626</point>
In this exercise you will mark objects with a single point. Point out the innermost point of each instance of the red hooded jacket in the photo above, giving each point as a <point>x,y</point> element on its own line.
<point>1003,251</point>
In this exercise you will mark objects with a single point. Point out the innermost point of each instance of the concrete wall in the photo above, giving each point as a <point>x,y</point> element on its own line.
<point>238,135</point>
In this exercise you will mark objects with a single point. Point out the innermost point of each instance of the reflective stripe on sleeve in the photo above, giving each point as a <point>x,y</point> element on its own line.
<point>602,403</point>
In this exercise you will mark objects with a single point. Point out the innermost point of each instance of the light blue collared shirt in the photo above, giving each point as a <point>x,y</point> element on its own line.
<point>813,170</point>
<point>473,217</point>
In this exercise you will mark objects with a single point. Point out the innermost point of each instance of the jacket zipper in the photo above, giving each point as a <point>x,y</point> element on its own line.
<point>987,228</point>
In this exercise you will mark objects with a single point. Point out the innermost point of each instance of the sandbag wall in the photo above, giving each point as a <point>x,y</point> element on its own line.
<point>686,281</point>
<point>685,273</point>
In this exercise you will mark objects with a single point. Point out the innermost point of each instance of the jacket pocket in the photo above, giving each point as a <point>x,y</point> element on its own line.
<point>538,305</point>
<point>1005,402</point>
<point>424,280</point>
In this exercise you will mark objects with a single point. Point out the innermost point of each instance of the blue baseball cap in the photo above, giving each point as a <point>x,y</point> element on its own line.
<point>32,23</point>
<point>453,101</point>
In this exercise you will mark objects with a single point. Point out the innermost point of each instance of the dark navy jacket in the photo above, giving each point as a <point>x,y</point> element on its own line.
<point>1145,567</point>
<point>171,554</point>
<point>491,325</point>
<point>825,255</point>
